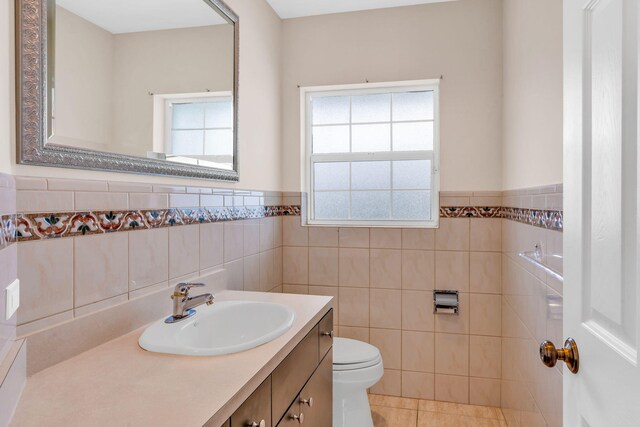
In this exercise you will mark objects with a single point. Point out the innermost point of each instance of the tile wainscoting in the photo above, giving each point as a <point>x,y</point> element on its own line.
<point>112,282</point>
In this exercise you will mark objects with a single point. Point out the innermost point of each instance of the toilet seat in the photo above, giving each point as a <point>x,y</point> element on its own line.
<point>350,355</point>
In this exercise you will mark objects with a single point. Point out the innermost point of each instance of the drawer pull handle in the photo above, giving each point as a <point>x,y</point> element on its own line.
<point>308,402</point>
<point>298,418</point>
<point>327,334</point>
<point>262,423</point>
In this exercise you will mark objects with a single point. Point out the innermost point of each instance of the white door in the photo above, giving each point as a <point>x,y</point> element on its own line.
<point>601,292</point>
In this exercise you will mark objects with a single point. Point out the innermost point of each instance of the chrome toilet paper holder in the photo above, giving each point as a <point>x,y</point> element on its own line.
<point>445,302</point>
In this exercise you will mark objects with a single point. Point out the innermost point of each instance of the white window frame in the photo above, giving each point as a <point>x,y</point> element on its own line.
<point>308,158</point>
<point>163,117</point>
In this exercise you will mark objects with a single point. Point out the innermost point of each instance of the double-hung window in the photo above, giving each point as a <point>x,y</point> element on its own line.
<point>371,154</point>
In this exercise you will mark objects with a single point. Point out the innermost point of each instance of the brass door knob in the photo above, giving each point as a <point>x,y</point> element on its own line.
<point>569,354</point>
<point>298,418</point>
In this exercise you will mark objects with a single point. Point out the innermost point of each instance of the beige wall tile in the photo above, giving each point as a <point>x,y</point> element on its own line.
<point>451,354</point>
<point>484,391</point>
<point>417,311</point>
<point>386,238</point>
<point>355,333</point>
<point>486,314</point>
<point>452,270</point>
<point>485,272</point>
<point>148,257</point>
<point>44,201</point>
<point>323,237</point>
<point>293,233</point>
<point>148,201</point>
<point>354,238</point>
<point>354,267</point>
<point>44,323</point>
<point>390,384</point>
<point>267,234</point>
<point>354,307</point>
<point>417,385</point>
<point>323,266</point>
<point>55,184</point>
<point>295,289</point>
<point>451,388</point>
<point>100,305</point>
<point>138,293</point>
<point>101,201</point>
<point>251,237</point>
<point>252,273</point>
<point>385,308</point>
<point>267,270</point>
<point>211,245</point>
<point>328,291</point>
<point>184,248</point>
<point>30,183</point>
<point>233,241</point>
<point>235,274</point>
<point>295,265</point>
<point>386,268</point>
<point>453,234</point>
<point>389,343</point>
<point>418,351</point>
<point>130,187</point>
<point>418,238</point>
<point>485,356</point>
<point>184,200</point>
<point>212,200</point>
<point>418,270</point>
<point>46,276</point>
<point>485,235</point>
<point>456,324</point>
<point>98,272</point>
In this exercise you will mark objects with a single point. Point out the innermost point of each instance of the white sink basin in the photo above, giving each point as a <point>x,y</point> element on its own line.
<point>222,328</point>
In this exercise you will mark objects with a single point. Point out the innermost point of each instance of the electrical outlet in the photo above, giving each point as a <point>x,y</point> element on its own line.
<point>12,299</point>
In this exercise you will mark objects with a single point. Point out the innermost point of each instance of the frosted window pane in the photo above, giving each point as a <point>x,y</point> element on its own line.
<point>334,205</point>
<point>188,116</point>
<point>218,114</point>
<point>370,205</point>
<point>371,175</point>
<point>331,139</point>
<point>412,174</point>
<point>186,142</point>
<point>219,142</point>
<point>370,138</point>
<point>412,205</point>
<point>413,106</point>
<point>371,108</point>
<point>331,176</point>
<point>413,136</point>
<point>329,110</point>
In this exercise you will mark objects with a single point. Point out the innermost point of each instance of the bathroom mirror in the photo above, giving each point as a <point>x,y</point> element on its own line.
<point>145,86</point>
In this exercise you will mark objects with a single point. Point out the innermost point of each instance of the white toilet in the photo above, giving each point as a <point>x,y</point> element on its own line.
<point>356,367</point>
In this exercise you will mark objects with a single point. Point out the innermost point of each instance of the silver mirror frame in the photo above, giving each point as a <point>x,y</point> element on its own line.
<point>32,108</point>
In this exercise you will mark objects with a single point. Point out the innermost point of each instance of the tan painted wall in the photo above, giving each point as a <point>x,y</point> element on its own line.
<point>460,40</point>
<point>532,117</point>
<point>259,137</point>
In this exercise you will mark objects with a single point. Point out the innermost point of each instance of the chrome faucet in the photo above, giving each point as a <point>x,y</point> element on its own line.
<point>183,304</point>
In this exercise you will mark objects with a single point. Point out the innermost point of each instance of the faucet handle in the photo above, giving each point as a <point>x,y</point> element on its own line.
<point>182,289</point>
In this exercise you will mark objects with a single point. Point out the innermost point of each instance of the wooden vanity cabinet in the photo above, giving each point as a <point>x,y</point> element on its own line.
<point>299,389</point>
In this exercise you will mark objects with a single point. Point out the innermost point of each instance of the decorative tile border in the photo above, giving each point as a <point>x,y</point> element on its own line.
<point>42,226</point>
<point>549,219</point>
<point>469,212</point>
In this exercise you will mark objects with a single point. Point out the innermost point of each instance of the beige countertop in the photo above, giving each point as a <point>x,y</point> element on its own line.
<point>119,384</point>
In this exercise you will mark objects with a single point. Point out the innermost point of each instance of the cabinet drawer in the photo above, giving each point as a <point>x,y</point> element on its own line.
<point>291,375</point>
<point>289,419</point>
<point>256,408</point>
<point>325,334</point>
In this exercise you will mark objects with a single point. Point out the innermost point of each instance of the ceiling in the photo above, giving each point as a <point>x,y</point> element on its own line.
<point>297,8</point>
<point>127,16</point>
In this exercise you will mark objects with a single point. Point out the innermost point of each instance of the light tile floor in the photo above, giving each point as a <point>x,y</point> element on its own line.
<point>389,411</point>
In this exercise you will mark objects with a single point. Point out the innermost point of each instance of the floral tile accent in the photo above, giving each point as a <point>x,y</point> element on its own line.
<point>7,230</point>
<point>553,220</point>
<point>40,226</point>
<point>470,212</point>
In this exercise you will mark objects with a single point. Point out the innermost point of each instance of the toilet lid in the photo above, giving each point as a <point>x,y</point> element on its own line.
<point>352,354</point>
